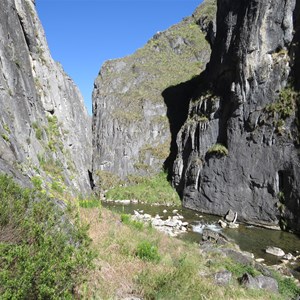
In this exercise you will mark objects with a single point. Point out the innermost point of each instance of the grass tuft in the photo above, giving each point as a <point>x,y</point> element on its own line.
<point>218,149</point>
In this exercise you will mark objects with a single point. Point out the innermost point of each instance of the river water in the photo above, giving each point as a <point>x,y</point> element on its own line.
<point>249,238</point>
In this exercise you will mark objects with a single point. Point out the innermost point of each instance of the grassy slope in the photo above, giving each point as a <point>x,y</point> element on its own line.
<point>181,272</point>
<point>43,256</point>
<point>155,189</point>
<point>170,57</point>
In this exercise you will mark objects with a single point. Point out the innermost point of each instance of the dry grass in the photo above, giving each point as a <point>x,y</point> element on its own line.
<point>115,270</point>
<point>10,234</point>
<point>120,273</point>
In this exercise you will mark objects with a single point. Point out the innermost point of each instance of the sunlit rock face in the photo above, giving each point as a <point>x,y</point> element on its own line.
<point>141,101</point>
<point>44,127</point>
<point>239,148</point>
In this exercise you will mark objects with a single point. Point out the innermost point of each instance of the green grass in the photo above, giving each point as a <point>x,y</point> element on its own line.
<point>38,131</point>
<point>238,269</point>
<point>287,286</point>
<point>207,8</point>
<point>5,137</point>
<point>155,189</point>
<point>156,266</point>
<point>180,282</point>
<point>6,128</point>
<point>126,219</point>
<point>218,149</point>
<point>52,167</point>
<point>42,254</point>
<point>147,251</point>
<point>89,203</point>
<point>285,106</point>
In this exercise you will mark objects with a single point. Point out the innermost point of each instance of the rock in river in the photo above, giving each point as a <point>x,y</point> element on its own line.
<point>275,251</point>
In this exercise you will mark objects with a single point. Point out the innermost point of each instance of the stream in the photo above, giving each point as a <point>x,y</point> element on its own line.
<point>249,238</point>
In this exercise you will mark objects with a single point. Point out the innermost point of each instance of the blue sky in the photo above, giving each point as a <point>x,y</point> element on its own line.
<point>82,34</point>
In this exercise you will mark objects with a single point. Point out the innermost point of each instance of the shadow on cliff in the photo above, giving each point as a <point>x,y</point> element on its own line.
<point>177,99</point>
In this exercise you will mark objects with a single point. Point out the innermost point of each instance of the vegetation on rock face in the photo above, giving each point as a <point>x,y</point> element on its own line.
<point>133,91</point>
<point>285,105</point>
<point>159,152</point>
<point>154,189</point>
<point>44,251</point>
<point>218,149</point>
<point>167,59</point>
<point>107,180</point>
<point>207,8</point>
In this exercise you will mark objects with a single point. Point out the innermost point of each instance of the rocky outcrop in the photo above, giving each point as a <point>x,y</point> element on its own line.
<point>132,126</point>
<point>44,127</point>
<point>239,147</point>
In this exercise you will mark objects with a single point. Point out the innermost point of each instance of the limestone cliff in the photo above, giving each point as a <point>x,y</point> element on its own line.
<point>132,131</point>
<point>239,148</point>
<point>44,127</point>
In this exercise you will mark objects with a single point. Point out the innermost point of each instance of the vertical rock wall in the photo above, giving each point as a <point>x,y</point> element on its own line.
<point>131,112</point>
<point>239,148</point>
<point>44,127</point>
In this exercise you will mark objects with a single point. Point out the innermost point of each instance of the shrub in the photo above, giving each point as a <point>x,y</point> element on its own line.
<point>56,186</point>
<point>125,218</point>
<point>218,149</point>
<point>288,287</point>
<point>37,182</point>
<point>285,105</point>
<point>5,137</point>
<point>42,255</point>
<point>147,251</point>
<point>6,128</point>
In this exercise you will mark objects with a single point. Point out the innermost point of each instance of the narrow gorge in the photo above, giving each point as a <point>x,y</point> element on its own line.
<point>229,135</point>
<point>203,121</point>
<point>213,101</point>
